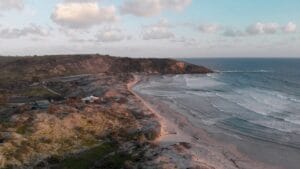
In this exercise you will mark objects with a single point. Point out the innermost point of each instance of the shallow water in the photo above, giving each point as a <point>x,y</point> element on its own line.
<point>251,103</point>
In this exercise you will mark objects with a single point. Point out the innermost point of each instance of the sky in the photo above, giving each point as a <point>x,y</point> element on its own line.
<point>151,28</point>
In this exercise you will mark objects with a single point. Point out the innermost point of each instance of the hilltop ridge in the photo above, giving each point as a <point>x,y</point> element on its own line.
<point>39,67</point>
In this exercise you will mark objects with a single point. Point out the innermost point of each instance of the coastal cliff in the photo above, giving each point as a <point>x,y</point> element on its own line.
<point>39,67</point>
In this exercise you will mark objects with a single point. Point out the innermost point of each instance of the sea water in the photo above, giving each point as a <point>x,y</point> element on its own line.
<point>251,103</point>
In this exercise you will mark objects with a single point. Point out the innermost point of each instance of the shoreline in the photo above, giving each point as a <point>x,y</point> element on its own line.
<point>177,129</point>
<point>165,135</point>
<point>149,129</point>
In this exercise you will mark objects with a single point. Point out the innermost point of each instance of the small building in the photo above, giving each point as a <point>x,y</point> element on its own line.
<point>90,99</point>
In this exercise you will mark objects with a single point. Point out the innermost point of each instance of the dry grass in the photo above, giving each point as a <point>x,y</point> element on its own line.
<point>39,134</point>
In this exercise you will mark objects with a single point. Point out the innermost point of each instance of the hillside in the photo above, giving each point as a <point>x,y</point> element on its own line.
<point>47,119</point>
<point>40,67</point>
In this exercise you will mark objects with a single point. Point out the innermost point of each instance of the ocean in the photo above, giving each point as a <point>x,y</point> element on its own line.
<point>253,104</point>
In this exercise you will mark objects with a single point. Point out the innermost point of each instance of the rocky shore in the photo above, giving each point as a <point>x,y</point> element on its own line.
<point>80,112</point>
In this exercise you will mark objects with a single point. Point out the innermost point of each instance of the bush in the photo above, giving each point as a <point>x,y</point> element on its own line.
<point>3,100</point>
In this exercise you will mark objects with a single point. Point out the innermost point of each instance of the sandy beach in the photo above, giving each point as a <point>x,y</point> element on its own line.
<point>169,131</point>
<point>197,148</point>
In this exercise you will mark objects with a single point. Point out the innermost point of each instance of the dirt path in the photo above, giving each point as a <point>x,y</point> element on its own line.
<point>51,91</point>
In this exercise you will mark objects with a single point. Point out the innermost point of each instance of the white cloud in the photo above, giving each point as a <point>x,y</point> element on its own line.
<point>148,8</point>
<point>11,4</point>
<point>83,14</point>
<point>110,35</point>
<point>105,34</point>
<point>80,0</point>
<point>33,30</point>
<point>175,4</point>
<point>263,28</point>
<point>141,7</point>
<point>209,28</point>
<point>290,28</point>
<point>160,30</point>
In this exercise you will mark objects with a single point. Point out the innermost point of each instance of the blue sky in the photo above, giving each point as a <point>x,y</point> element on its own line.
<point>151,28</point>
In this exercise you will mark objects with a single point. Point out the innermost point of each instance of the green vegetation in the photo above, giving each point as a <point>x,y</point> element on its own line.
<point>4,119</point>
<point>38,92</point>
<point>87,159</point>
<point>22,129</point>
<point>88,142</point>
<point>3,100</point>
<point>9,78</point>
<point>116,161</point>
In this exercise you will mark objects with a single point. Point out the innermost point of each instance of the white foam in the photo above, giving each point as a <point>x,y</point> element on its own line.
<point>250,71</point>
<point>295,119</point>
<point>260,101</point>
<point>257,105</point>
<point>278,125</point>
<point>203,82</point>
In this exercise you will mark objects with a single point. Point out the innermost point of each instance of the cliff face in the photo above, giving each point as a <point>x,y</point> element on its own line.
<point>30,68</point>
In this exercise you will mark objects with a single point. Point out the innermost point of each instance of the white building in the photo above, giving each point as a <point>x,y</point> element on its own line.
<point>90,99</point>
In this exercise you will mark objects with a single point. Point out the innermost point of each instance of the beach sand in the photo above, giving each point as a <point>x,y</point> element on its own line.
<point>182,145</point>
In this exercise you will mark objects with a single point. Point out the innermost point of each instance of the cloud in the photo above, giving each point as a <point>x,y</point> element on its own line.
<point>209,28</point>
<point>146,8</point>
<point>83,14</point>
<point>160,30</point>
<point>263,28</point>
<point>230,32</point>
<point>11,4</point>
<point>175,4</point>
<point>80,1</point>
<point>105,35</point>
<point>141,7</point>
<point>110,35</point>
<point>185,41</point>
<point>157,33</point>
<point>290,28</point>
<point>12,33</point>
